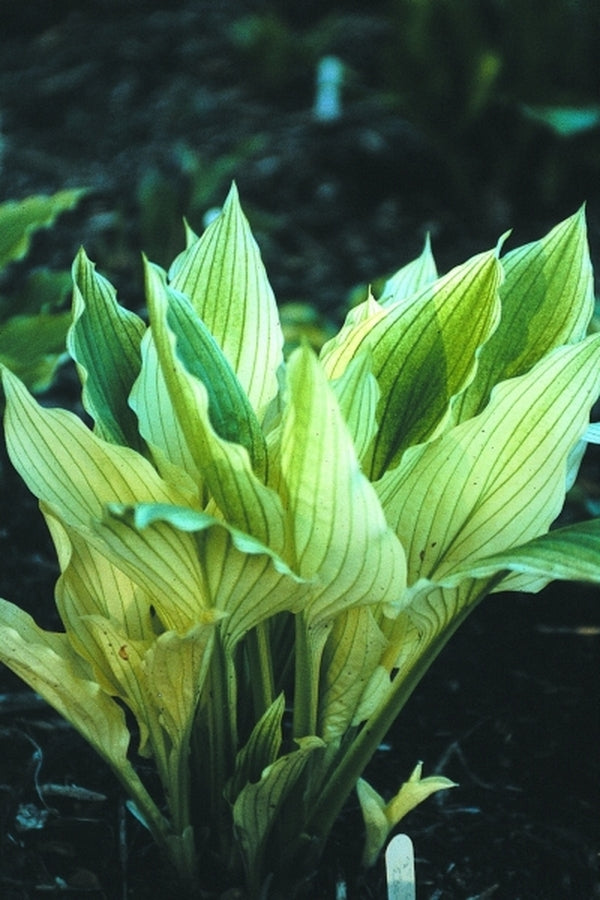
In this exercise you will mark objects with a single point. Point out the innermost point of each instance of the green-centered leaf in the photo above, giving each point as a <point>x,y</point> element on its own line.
<point>241,578</point>
<point>104,342</point>
<point>223,275</point>
<point>243,499</point>
<point>547,300</point>
<point>351,655</point>
<point>412,277</point>
<point>497,480</point>
<point>19,219</point>
<point>260,806</point>
<point>341,537</point>
<point>230,413</point>
<point>424,351</point>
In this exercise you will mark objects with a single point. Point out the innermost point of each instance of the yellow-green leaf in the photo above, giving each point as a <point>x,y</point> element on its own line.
<point>351,655</point>
<point>412,277</point>
<point>241,578</point>
<point>76,474</point>
<point>341,537</point>
<point>380,817</point>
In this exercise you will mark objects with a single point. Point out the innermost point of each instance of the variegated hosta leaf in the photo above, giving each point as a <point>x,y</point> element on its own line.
<point>261,806</point>
<point>412,277</point>
<point>381,817</point>
<point>104,341</point>
<point>351,655</point>
<point>341,537</point>
<point>245,502</point>
<point>497,480</point>
<point>76,474</point>
<point>175,323</point>
<point>547,300</point>
<point>424,353</point>
<point>224,277</point>
<point>241,578</point>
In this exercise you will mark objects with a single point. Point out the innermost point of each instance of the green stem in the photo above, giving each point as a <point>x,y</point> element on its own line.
<point>260,669</point>
<point>308,648</point>
<point>215,743</point>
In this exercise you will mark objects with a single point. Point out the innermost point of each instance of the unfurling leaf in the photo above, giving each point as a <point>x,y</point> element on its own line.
<point>381,817</point>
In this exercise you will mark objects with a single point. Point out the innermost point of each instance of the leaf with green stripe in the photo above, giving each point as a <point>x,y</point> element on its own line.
<point>259,806</point>
<point>104,341</point>
<point>159,426</point>
<point>260,750</point>
<point>424,352</point>
<point>91,585</point>
<point>352,653</point>
<point>547,300</point>
<point>225,464</point>
<point>223,275</point>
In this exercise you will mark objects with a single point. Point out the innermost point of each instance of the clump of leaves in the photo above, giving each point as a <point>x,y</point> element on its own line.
<point>33,320</point>
<point>260,559</point>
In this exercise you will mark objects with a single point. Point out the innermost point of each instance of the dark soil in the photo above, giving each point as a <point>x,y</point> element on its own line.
<point>154,108</point>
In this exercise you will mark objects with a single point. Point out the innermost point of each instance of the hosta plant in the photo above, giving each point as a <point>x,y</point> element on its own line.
<point>259,559</point>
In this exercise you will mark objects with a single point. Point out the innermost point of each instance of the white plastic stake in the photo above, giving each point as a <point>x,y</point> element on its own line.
<point>400,868</point>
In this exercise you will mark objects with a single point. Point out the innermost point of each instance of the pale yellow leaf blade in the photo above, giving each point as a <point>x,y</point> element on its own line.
<point>341,537</point>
